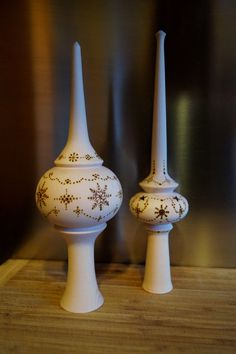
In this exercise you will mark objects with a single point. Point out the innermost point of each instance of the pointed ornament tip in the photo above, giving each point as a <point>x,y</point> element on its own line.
<point>160,33</point>
<point>76,45</point>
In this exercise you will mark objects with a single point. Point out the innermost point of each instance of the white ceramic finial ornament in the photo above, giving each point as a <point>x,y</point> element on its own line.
<point>78,196</point>
<point>159,206</point>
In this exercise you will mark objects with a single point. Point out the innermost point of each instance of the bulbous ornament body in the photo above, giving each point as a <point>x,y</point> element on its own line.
<point>159,208</point>
<point>78,197</point>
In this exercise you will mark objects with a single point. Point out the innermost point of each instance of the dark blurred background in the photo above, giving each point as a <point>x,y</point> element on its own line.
<point>117,38</point>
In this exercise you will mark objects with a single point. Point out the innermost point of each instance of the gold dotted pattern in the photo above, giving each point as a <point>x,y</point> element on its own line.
<point>95,177</point>
<point>78,211</point>
<point>66,199</point>
<point>162,212</point>
<point>54,211</point>
<point>74,157</point>
<point>151,178</point>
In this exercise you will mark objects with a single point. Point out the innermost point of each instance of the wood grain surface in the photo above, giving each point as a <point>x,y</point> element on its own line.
<point>198,316</point>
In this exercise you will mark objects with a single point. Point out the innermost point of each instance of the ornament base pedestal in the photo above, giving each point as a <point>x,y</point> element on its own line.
<point>82,293</point>
<point>157,276</point>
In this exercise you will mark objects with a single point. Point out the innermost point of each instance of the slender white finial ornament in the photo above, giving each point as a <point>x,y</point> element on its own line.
<point>78,196</point>
<point>158,206</point>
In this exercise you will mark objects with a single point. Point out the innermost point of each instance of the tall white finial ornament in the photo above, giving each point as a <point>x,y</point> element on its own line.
<point>78,196</point>
<point>158,206</point>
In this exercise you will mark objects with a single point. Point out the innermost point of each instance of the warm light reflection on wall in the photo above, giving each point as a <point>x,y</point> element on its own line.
<point>118,127</point>
<point>203,249</point>
<point>182,112</point>
<point>41,33</point>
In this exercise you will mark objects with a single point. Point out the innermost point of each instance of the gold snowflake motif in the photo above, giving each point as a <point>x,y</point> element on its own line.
<point>66,199</point>
<point>88,157</point>
<point>73,157</point>
<point>96,176</point>
<point>99,197</point>
<point>161,212</point>
<point>78,211</point>
<point>67,181</point>
<point>41,195</point>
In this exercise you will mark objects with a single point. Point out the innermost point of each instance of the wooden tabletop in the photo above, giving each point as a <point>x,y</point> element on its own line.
<point>198,316</point>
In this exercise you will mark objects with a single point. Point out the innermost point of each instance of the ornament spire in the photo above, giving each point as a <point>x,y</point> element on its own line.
<point>78,150</point>
<point>158,179</point>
